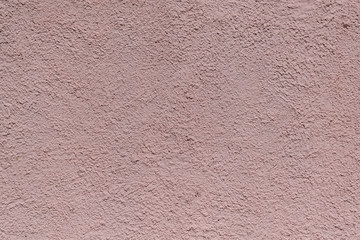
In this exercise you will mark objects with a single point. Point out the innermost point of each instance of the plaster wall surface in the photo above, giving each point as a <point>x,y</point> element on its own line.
<point>205,119</point>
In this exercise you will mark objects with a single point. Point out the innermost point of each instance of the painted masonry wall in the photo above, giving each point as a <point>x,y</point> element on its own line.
<point>206,119</point>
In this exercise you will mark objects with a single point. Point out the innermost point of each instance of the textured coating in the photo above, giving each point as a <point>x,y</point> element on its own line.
<point>207,119</point>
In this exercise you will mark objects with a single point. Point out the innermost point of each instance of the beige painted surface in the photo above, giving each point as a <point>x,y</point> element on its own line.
<point>179,119</point>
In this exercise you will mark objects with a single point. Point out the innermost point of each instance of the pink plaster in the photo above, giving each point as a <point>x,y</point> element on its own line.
<point>206,119</point>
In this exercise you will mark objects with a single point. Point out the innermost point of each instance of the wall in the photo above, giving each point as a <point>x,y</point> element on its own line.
<point>204,119</point>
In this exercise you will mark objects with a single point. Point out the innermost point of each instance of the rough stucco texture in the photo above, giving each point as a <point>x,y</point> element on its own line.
<point>205,119</point>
